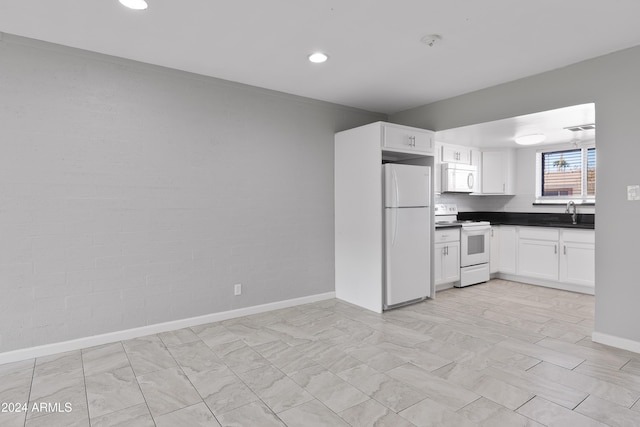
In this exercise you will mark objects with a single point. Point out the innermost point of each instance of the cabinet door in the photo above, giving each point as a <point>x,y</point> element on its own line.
<point>439,255</point>
<point>494,176</point>
<point>507,241</point>
<point>456,154</point>
<point>407,247</point>
<point>447,262</point>
<point>577,258</point>
<point>451,266</point>
<point>494,249</point>
<point>538,258</point>
<point>577,266</point>
<point>408,139</point>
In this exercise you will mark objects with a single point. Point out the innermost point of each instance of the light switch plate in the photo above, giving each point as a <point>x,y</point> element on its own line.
<point>633,192</point>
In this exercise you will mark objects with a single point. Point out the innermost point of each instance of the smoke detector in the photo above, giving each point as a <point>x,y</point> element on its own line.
<point>431,39</point>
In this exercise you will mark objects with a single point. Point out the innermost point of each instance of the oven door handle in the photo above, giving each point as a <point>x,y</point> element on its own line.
<point>475,231</point>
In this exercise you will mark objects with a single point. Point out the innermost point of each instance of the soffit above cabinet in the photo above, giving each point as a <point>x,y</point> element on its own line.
<point>501,133</point>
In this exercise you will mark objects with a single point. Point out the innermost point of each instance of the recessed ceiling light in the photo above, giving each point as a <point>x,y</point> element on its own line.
<point>318,57</point>
<point>532,139</point>
<point>134,4</point>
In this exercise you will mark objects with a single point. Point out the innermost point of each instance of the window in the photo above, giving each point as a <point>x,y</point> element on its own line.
<point>564,175</point>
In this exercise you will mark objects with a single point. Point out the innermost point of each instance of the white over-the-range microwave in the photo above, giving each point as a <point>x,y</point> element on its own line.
<point>457,178</point>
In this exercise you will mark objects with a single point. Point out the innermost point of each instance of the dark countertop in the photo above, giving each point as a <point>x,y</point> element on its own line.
<point>555,220</point>
<point>438,226</point>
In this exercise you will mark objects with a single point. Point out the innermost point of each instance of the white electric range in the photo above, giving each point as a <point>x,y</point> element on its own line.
<point>474,244</point>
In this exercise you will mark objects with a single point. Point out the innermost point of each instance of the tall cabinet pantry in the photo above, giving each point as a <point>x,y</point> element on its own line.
<point>359,221</point>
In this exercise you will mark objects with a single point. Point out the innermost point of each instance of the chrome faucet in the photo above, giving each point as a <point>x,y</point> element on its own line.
<point>574,215</point>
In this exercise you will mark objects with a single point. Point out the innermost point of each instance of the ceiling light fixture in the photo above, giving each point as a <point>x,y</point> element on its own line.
<point>134,4</point>
<point>318,57</point>
<point>532,139</point>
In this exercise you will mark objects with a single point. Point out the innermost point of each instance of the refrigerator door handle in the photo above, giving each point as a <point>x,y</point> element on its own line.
<point>394,221</point>
<point>395,184</point>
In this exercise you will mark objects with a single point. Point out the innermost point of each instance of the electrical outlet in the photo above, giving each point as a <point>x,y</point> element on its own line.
<point>237,289</point>
<point>633,192</point>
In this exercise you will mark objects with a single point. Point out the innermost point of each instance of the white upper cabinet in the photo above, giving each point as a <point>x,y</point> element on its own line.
<point>498,172</point>
<point>495,167</point>
<point>407,139</point>
<point>455,154</point>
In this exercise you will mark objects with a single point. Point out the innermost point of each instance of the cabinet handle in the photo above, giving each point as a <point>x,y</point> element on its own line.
<point>555,249</point>
<point>446,250</point>
<point>492,232</point>
<point>564,249</point>
<point>504,187</point>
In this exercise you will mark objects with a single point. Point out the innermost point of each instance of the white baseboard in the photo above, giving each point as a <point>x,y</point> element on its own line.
<point>547,283</point>
<point>444,286</point>
<point>77,344</point>
<point>613,341</point>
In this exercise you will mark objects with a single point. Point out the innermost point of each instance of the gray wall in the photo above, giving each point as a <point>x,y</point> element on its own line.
<point>132,194</point>
<point>612,82</point>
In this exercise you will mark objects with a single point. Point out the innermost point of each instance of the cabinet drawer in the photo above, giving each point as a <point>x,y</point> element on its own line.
<point>407,139</point>
<point>447,235</point>
<point>539,233</point>
<point>579,236</point>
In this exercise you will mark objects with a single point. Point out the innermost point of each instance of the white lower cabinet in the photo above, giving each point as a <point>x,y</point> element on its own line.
<point>508,243</point>
<point>494,249</point>
<point>577,260</point>
<point>555,257</point>
<point>538,252</point>
<point>447,256</point>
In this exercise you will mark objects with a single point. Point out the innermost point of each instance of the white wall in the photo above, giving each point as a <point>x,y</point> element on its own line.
<point>525,188</point>
<point>132,194</point>
<point>471,203</point>
<point>525,192</point>
<point>611,81</point>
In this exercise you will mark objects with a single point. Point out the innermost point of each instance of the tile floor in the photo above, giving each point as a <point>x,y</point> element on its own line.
<point>495,354</point>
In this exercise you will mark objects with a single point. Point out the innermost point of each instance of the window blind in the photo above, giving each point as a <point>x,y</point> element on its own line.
<point>562,173</point>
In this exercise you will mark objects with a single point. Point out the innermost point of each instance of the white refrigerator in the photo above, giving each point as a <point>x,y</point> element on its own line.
<point>407,234</point>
